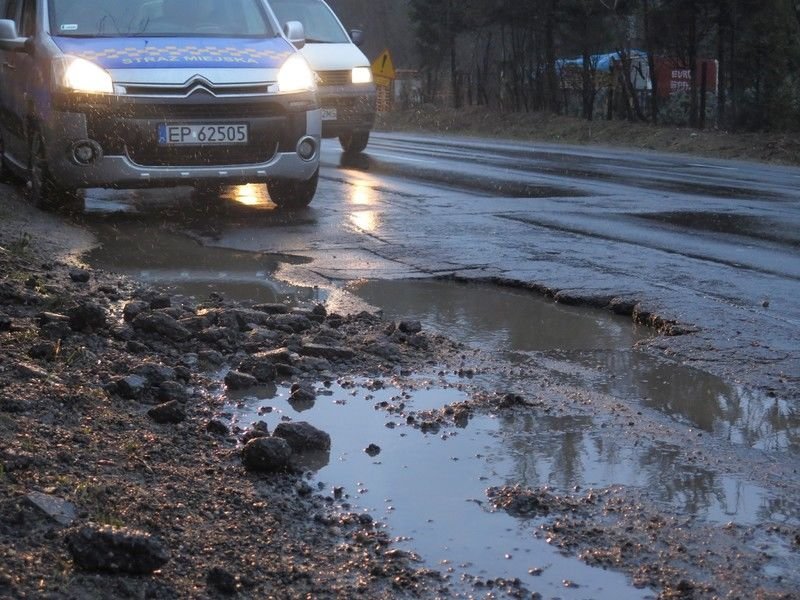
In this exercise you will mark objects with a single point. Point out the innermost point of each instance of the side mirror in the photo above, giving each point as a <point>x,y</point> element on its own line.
<point>357,36</point>
<point>9,39</point>
<point>295,33</point>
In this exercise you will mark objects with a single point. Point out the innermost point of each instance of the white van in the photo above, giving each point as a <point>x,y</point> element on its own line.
<point>345,88</point>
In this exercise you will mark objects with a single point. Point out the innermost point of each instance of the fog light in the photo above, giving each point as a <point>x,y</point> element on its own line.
<point>307,148</point>
<point>86,152</point>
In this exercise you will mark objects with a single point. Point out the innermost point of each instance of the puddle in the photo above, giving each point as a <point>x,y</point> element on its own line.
<point>592,349</point>
<point>187,268</point>
<point>426,487</point>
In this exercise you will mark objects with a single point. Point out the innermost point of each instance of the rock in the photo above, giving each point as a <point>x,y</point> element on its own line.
<point>167,413</point>
<point>14,405</point>
<point>55,331</point>
<point>211,357</point>
<point>373,450</point>
<point>272,309</point>
<point>50,317</point>
<point>262,365</point>
<point>170,391</point>
<point>266,454</point>
<point>133,310</point>
<point>59,510</point>
<point>328,352</point>
<point>43,351</point>
<point>161,324</point>
<point>135,347</point>
<point>160,301</point>
<point>221,580</point>
<point>79,275</point>
<point>5,323</point>
<point>258,430</point>
<point>303,436</point>
<point>236,380</point>
<point>217,427</point>
<point>29,371</point>
<point>131,387</point>
<point>155,373</point>
<point>87,317</point>
<point>302,397</point>
<point>320,310</point>
<point>116,550</point>
<point>410,326</point>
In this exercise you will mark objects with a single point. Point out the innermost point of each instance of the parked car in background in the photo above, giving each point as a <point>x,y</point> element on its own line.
<point>150,93</point>
<point>346,90</point>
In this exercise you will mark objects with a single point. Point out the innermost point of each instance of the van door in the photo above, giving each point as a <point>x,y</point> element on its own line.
<point>18,75</point>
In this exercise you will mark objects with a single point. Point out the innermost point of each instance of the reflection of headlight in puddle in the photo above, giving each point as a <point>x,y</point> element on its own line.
<point>365,220</point>
<point>362,195</point>
<point>362,191</point>
<point>247,194</point>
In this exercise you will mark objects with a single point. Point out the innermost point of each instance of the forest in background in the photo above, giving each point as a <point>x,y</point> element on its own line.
<point>543,55</point>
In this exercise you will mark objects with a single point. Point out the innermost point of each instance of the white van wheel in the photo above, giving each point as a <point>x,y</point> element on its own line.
<point>293,195</point>
<point>354,142</point>
<point>43,191</point>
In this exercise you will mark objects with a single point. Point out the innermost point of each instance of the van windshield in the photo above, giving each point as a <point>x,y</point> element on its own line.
<point>319,22</point>
<point>161,18</point>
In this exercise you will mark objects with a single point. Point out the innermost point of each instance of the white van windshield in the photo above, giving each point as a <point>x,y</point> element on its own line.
<point>319,22</point>
<point>163,18</point>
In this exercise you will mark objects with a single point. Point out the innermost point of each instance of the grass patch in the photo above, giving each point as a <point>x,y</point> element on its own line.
<point>780,148</point>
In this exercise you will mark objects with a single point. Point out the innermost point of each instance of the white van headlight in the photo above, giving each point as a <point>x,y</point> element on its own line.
<point>296,76</point>
<point>80,75</point>
<point>362,75</point>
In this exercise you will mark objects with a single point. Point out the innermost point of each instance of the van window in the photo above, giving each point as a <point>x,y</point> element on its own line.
<point>162,18</point>
<point>319,22</point>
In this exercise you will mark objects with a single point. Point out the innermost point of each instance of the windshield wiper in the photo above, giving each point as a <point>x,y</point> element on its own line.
<point>316,41</point>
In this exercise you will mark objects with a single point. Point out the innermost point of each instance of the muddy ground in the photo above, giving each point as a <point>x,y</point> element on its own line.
<point>119,479</point>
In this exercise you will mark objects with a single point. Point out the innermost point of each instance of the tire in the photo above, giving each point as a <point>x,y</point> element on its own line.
<point>293,195</point>
<point>45,193</point>
<point>354,142</point>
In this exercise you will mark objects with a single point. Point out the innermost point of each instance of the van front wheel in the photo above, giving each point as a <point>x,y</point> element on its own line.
<point>290,194</point>
<point>354,142</point>
<point>43,191</point>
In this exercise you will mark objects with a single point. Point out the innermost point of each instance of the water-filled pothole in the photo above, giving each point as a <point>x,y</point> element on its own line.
<point>430,487</point>
<point>183,266</point>
<point>591,349</point>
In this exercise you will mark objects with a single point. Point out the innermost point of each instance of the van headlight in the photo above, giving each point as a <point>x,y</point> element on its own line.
<point>362,75</point>
<point>296,76</point>
<point>80,75</point>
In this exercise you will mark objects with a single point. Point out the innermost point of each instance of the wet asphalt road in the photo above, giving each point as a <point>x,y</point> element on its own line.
<point>712,245</point>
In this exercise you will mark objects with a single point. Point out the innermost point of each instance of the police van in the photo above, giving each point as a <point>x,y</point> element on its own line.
<point>151,93</point>
<point>347,93</point>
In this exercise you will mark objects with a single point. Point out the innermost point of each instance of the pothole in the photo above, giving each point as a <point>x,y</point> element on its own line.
<point>588,348</point>
<point>181,265</point>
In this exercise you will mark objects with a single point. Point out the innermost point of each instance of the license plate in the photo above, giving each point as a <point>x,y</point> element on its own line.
<point>185,135</point>
<point>329,114</point>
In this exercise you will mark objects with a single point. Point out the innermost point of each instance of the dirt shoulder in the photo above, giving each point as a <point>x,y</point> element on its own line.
<point>118,477</point>
<point>778,148</point>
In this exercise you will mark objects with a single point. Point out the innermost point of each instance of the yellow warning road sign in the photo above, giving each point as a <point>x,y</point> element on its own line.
<point>383,66</point>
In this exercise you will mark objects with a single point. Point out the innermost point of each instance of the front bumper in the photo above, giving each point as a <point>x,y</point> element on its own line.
<point>126,130</point>
<point>355,108</point>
